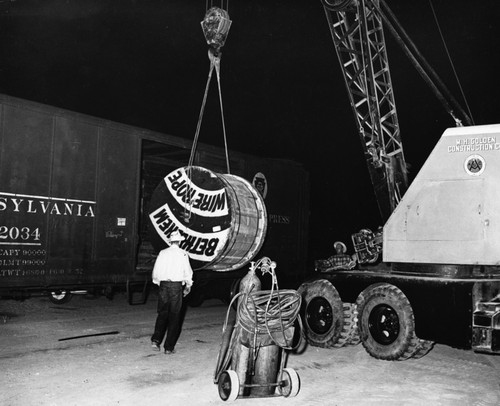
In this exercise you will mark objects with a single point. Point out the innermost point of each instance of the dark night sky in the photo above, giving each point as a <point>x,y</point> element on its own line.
<point>145,63</point>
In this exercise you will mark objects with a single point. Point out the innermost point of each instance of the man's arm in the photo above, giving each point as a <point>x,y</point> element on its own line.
<point>188,276</point>
<point>156,269</point>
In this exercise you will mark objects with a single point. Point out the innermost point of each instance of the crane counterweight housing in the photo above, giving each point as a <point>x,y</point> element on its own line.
<point>449,214</point>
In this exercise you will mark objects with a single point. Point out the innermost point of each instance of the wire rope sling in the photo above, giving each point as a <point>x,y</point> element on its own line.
<point>215,26</point>
<point>221,216</point>
<point>253,353</point>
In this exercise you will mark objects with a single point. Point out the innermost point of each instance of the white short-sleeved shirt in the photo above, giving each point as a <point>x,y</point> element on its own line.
<point>173,264</point>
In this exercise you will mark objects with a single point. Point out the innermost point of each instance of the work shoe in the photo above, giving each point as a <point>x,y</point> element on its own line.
<point>155,346</point>
<point>168,352</point>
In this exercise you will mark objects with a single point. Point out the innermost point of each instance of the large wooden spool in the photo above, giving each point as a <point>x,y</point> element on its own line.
<point>222,217</point>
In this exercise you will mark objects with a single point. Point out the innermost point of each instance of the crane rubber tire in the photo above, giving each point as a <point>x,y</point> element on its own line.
<point>349,334</point>
<point>322,313</point>
<point>423,347</point>
<point>386,323</point>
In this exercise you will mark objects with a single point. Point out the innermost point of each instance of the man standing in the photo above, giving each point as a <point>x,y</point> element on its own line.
<point>171,272</point>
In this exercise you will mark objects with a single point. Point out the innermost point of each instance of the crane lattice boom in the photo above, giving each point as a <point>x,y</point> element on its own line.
<point>356,28</point>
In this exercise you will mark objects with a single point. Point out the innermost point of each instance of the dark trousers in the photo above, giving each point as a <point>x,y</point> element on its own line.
<point>169,314</point>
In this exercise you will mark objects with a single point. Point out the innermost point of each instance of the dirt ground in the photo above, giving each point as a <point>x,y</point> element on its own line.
<point>45,361</point>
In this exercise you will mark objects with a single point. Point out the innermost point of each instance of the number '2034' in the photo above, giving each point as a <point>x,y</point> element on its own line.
<point>16,233</point>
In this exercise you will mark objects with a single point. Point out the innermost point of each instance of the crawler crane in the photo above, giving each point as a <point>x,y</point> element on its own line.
<point>425,277</point>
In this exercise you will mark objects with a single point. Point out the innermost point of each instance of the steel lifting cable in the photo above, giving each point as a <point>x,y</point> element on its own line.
<point>214,63</point>
<point>210,3</point>
<point>188,206</point>
<point>200,118</point>
<point>421,65</point>
<point>217,71</point>
<point>451,61</point>
<point>215,25</point>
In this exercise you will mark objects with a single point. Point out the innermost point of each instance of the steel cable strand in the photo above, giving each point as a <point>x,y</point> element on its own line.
<point>188,206</point>
<point>269,313</point>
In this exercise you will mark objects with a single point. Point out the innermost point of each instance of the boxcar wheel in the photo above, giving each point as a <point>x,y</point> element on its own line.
<point>322,313</point>
<point>59,296</point>
<point>386,323</point>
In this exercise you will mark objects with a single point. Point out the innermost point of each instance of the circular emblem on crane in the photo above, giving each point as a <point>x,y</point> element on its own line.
<point>474,165</point>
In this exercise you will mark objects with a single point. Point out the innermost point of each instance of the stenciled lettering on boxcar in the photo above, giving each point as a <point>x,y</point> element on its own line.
<point>13,203</point>
<point>24,220</point>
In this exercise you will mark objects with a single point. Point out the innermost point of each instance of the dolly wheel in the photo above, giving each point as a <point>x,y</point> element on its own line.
<point>229,385</point>
<point>290,383</point>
